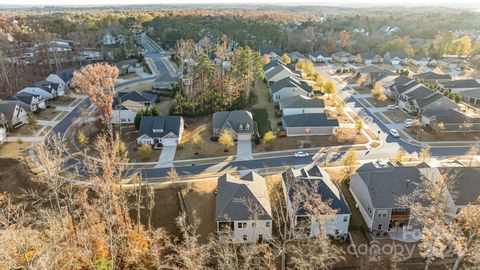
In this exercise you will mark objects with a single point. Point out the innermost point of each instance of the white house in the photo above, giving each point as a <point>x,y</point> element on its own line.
<point>160,131</point>
<point>289,87</point>
<point>31,103</point>
<point>396,58</point>
<point>320,57</point>
<point>278,73</point>
<point>12,115</point>
<point>3,132</point>
<point>301,104</point>
<point>234,208</point>
<point>314,183</point>
<point>125,112</point>
<point>309,124</point>
<point>44,92</point>
<point>62,77</point>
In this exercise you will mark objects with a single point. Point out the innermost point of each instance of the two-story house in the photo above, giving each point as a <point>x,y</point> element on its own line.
<point>289,87</point>
<point>14,115</point>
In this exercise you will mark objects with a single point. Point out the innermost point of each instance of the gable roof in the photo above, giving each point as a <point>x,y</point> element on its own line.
<point>309,120</point>
<point>297,55</point>
<point>466,187</point>
<point>25,98</point>
<point>136,96</point>
<point>341,54</point>
<point>234,193</point>
<point>423,96</point>
<point>313,180</point>
<point>167,77</point>
<point>272,64</point>
<point>466,83</point>
<point>233,120</point>
<point>47,86</point>
<point>402,84</point>
<point>368,55</point>
<point>401,55</point>
<point>430,75</point>
<point>420,57</point>
<point>264,51</point>
<point>126,63</point>
<point>163,125</point>
<point>290,82</point>
<point>7,107</point>
<point>319,53</point>
<point>278,69</point>
<point>475,93</point>
<point>65,74</point>
<point>301,101</point>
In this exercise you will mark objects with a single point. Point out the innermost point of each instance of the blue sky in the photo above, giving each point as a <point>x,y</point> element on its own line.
<point>450,3</point>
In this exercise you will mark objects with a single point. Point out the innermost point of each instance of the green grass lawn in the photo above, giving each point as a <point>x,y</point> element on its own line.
<point>261,117</point>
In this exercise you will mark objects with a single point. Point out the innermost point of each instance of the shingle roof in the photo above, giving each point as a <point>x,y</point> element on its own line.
<point>290,82</point>
<point>47,86</point>
<point>319,53</point>
<point>129,62</point>
<point>65,74</point>
<point>233,120</point>
<point>167,77</point>
<point>8,108</point>
<point>401,55</point>
<point>309,120</point>
<point>466,184</point>
<point>269,50</point>
<point>235,194</point>
<point>276,70</point>
<point>272,64</point>
<point>467,83</point>
<point>313,180</point>
<point>297,55</point>
<point>342,54</point>
<point>25,98</point>
<point>136,96</point>
<point>163,125</point>
<point>301,101</point>
<point>475,93</point>
<point>430,75</point>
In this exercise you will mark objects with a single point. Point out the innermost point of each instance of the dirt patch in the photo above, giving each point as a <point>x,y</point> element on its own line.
<point>397,116</point>
<point>164,106</point>
<point>141,86</point>
<point>382,118</point>
<point>25,130</point>
<point>61,101</point>
<point>209,148</point>
<point>378,103</point>
<point>47,114</point>
<point>425,136</point>
<point>15,177</point>
<point>13,150</point>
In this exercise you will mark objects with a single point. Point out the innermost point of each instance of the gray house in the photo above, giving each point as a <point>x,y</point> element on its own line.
<point>421,99</point>
<point>396,58</point>
<point>239,123</point>
<point>295,56</point>
<point>159,131</point>
<point>458,86</point>
<point>433,77</point>
<point>289,87</point>
<point>309,124</point>
<point>13,115</point>
<point>144,98</point>
<point>29,102</point>
<point>236,199</point>
<point>166,81</point>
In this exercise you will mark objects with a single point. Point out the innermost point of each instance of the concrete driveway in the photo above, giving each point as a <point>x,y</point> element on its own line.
<point>244,149</point>
<point>167,156</point>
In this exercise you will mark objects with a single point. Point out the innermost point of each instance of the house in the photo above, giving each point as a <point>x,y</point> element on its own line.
<point>125,112</point>
<point>343,57</point>
<point>312,181</point>
<point>421,99</point>
<point>234,208</point>
<point>376,187</point>
<point>295,56</point>
<point>471,96</point>
<point>389,30</point>
<point>361,31</point>
<point>369,58</point>
<point>12,115</point>
<point>271,53</point>
<point>166,81</point>
<point>239,123</point>
<point>301,104</point>
<point>399,86</point>
<point>320,57</point>
<point>309,124</point>
<point>45,92</point>
<point>452,121</point>
<point>63,77</point>
<point>108,40</point>
<point>279,72</point>
<point>144,98</point>
<point>373,74</point>
<point>433,77</point>
<point>160,131</point>
<point>396,58</point>
<point>271,65</point>
<point>289,87</point>
<point>127,66</point>
<point>419,60</point>
<point>458,86</point>
<point>466,189</point>
<point>452,62</point>
<point>56,89</point>
<point>29,102</point>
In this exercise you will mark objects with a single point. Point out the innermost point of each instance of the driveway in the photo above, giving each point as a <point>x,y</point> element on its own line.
<point>244,149</point>
<point>167,156</point>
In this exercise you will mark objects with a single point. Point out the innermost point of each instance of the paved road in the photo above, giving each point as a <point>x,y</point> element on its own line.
<point>156,53</point>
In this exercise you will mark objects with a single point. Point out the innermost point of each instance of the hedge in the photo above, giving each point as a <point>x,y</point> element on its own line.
<point>261,117</point>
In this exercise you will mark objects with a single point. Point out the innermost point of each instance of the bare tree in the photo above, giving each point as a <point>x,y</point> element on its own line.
<point>467,244</point>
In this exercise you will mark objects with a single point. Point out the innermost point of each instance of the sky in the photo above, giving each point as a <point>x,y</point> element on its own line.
<point>449,3</point>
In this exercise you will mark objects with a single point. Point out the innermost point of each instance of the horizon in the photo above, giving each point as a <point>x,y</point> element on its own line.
<point>465,4</point>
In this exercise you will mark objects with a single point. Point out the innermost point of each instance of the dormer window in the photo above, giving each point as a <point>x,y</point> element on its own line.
<point>157,130</point>
<point>240,127</point>
<point>247,127</point>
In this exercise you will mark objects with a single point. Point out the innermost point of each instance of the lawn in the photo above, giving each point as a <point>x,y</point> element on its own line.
<point>61,101</point>
<point>397,116</point>
<point>209,148</point>
<point>25,130</point>
<point>378,103</point>
<point>47,114</point>
<point>261,117</point>
<point>445,136</point>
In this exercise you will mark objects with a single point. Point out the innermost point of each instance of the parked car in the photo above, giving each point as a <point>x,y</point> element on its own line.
<point>300,154</point>
<point>408,123</point>
<point>394,133</point>
<point>392,107</point>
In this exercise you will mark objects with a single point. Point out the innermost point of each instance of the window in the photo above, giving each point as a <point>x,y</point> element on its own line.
<point>336,231</point>
<point>379,226</point>
<point>244,225</point>
<point>267,224</point>
<point>240,127</point>
<point>239,225</point>
<point>245,237</point>
<point>254,224</point>
<point>345,219</point>
<point>247,127</point>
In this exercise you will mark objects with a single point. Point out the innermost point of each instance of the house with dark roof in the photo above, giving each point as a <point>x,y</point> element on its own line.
<point>29,102</point>
<point>466,187</point>
<point>278,73</point>
<point>433,77</point>
<point>370,58</point>
<point>166,81</point>
<point>314,183</point>
<point>471,96</point>
<point>159,131</point>
<point>274,53</point>
<point>301,104</point>
<point>400,85</point>
<point>63,77</point>
<point>239,123</point>
<point>309,124</point>
<point>458,86</point>
<point>396,58</point>
<point>320,57</point>
<point>125,112</point>
<point>3,131</point>
<point>12,115</point>
<point>373,74</point>
<point>273,63</point>
<point>295,56</point>
<point>242,207</point>
<point>419,60</point>
<point>421,99</point>
<point>343,57</point>
<point>452,120</point>
<point>289,87</point>
<point>127,66</point>
<point>147,99</point>
<point>45,89</point>
<point>452,62</point>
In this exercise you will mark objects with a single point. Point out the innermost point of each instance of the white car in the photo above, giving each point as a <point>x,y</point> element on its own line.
<point>392,107</point>
<point>394,133</point>
<point>300,154</point>
<point>408,123</point>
